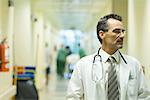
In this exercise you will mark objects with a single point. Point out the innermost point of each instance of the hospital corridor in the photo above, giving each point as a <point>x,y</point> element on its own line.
<point>42,42</point>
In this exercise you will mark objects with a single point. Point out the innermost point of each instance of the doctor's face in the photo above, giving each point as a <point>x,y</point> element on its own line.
<point>113,39</point>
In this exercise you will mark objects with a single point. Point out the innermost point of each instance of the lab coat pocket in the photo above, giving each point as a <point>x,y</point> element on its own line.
<point>132,87</point>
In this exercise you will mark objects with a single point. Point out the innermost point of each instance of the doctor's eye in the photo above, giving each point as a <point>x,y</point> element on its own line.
<point>118,31</point>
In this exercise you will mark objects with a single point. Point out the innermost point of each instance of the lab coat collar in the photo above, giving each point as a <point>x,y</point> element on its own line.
<point>105,55</point>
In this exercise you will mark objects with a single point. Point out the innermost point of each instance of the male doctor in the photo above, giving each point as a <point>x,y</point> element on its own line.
<point>108,74</point>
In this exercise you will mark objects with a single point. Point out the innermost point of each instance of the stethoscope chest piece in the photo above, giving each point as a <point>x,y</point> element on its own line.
<point>97,68</point>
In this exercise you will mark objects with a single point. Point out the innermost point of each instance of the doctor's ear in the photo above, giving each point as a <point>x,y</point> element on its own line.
<point>101,34</point>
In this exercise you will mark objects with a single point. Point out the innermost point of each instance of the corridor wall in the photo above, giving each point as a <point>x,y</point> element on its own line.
<point>7,90</point>
<point>38,47</point>
<point>139,32</point>
<point>23,50</point>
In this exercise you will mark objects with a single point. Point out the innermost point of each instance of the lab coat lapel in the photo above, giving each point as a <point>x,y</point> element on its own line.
<point>124,76</point>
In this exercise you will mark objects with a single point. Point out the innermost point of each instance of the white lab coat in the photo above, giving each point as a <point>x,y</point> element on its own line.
<point>132,81</point>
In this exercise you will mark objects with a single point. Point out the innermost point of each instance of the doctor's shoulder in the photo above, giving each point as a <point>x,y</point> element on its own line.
<point>132,61</point>
<point>85,61</point>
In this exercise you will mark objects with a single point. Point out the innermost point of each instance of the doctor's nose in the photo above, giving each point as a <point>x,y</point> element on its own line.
<point>122,34</point>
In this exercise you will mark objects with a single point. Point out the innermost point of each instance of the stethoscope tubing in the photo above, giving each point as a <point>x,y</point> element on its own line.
<point>102,67</point>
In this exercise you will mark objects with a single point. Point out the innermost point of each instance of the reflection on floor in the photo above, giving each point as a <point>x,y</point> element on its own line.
<point>56,89</point>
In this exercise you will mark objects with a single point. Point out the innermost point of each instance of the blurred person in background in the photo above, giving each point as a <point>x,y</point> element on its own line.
<point>81,51</point>
<point>48,70</point>
<point>48,64</point>
<point>61,60</point>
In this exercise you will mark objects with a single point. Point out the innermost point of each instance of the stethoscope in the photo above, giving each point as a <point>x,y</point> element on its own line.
<point>95,77</point>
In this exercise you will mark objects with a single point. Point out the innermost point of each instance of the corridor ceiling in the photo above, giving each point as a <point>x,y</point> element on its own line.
<point>78,14</point>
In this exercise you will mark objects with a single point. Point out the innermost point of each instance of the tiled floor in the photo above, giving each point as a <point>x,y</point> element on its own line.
<point>56,90</point>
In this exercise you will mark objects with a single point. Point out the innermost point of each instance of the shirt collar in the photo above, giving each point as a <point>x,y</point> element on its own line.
<point>105,55</point>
